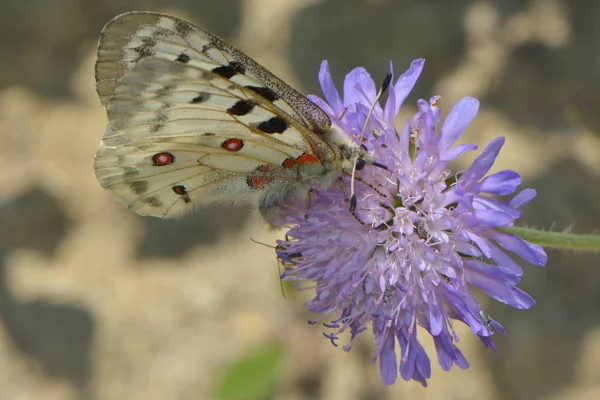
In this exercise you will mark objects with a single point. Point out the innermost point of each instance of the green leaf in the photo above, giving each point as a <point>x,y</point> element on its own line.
<point>254,376</point>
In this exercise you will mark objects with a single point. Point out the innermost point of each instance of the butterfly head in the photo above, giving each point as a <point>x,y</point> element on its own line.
<point>352,155</point>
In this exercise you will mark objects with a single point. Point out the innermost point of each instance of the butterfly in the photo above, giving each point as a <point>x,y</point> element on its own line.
<point>194,121</point>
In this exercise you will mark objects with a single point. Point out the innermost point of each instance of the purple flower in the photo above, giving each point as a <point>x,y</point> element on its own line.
<point>421,235</point>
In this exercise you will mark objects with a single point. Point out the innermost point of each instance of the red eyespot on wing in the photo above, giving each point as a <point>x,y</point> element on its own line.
<point>180,189</point>
<point>232,144</point>
<point>258,182</point>
<point>303,159</point>
<point>307,159</point>
<point>264,168</point>
<point>160,159</point>
<point>289,163</point>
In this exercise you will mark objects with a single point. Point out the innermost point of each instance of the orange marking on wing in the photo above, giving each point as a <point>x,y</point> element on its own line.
<point>307,159</point>
<point>289,163</point>
<point>259,182</point>
<point>264,168</point>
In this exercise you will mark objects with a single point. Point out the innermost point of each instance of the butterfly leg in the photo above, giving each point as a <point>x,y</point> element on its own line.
<point>283,260</point>
<point>359,179</point>
<point>311,192</point>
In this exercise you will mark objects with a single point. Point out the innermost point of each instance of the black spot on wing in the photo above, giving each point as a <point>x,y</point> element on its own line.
<point>241,107</point>
<point>264,92</point>
<point>156,127</point>
<point>130,173</point>
<point>208,134</point>
<point>227,71</point>
<point>152,201</point>
<point>138,187</point>
<point>159,122</point>
<point>183,58</point>
<point>183,28</point>
<point>207,47</point>
<point>165,91</point>
<point>147,49</point>
<point>161,33</point>
<point>273,125</point>
<point>201,98</point>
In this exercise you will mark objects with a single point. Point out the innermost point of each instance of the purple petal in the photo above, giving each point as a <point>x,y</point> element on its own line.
<point>466,201</point>
<point>436,317</point>
<point>501,183</point>
<point>489,218</point>
<point>404,86</point>
<point>448,353</point>
<point>531,253</point>
<point>467,249</point>
<point>435,110</point>
<point>488,342</point>
<point>424,121</point>
<point>457,151</point>
<point>479,241</point>
<point>462,306</point>
<point>503,260</point>
<point>497,283</point>
<point>487,203</point>
<point>327,86</point>
<point>483,162</point>
<point>322,105</point>
<point>358,78</point>
<point>497,327</point>
<point>405,135</point>
<point>522,198</point>
<point>414,363</point>
<point>423,364</point>
<point>388,364</point>
<point>457,120</point>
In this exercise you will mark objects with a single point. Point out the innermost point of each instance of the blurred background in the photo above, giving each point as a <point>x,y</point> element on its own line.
<point>98,303</point>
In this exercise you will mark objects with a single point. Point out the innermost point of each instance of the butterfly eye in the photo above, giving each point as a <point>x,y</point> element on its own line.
<point>360,164</point>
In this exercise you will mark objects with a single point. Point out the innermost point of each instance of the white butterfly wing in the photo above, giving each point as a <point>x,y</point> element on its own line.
<point>194,121</point>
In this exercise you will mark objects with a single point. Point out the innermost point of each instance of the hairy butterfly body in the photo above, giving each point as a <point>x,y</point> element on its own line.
<point>193,121</point>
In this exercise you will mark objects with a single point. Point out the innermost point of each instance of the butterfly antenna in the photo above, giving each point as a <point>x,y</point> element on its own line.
<point>382,89</point>
<point>263,244</point>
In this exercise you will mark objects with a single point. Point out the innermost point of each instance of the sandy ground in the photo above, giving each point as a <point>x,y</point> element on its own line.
<point>98,303</point>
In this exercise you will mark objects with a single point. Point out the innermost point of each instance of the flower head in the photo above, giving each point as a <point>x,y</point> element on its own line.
<point>421,236</point>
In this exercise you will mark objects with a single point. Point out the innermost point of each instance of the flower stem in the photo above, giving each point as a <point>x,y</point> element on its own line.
<point>557,240</point>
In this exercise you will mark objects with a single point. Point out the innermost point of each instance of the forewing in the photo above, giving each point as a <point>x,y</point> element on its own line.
<point>130,37</point>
